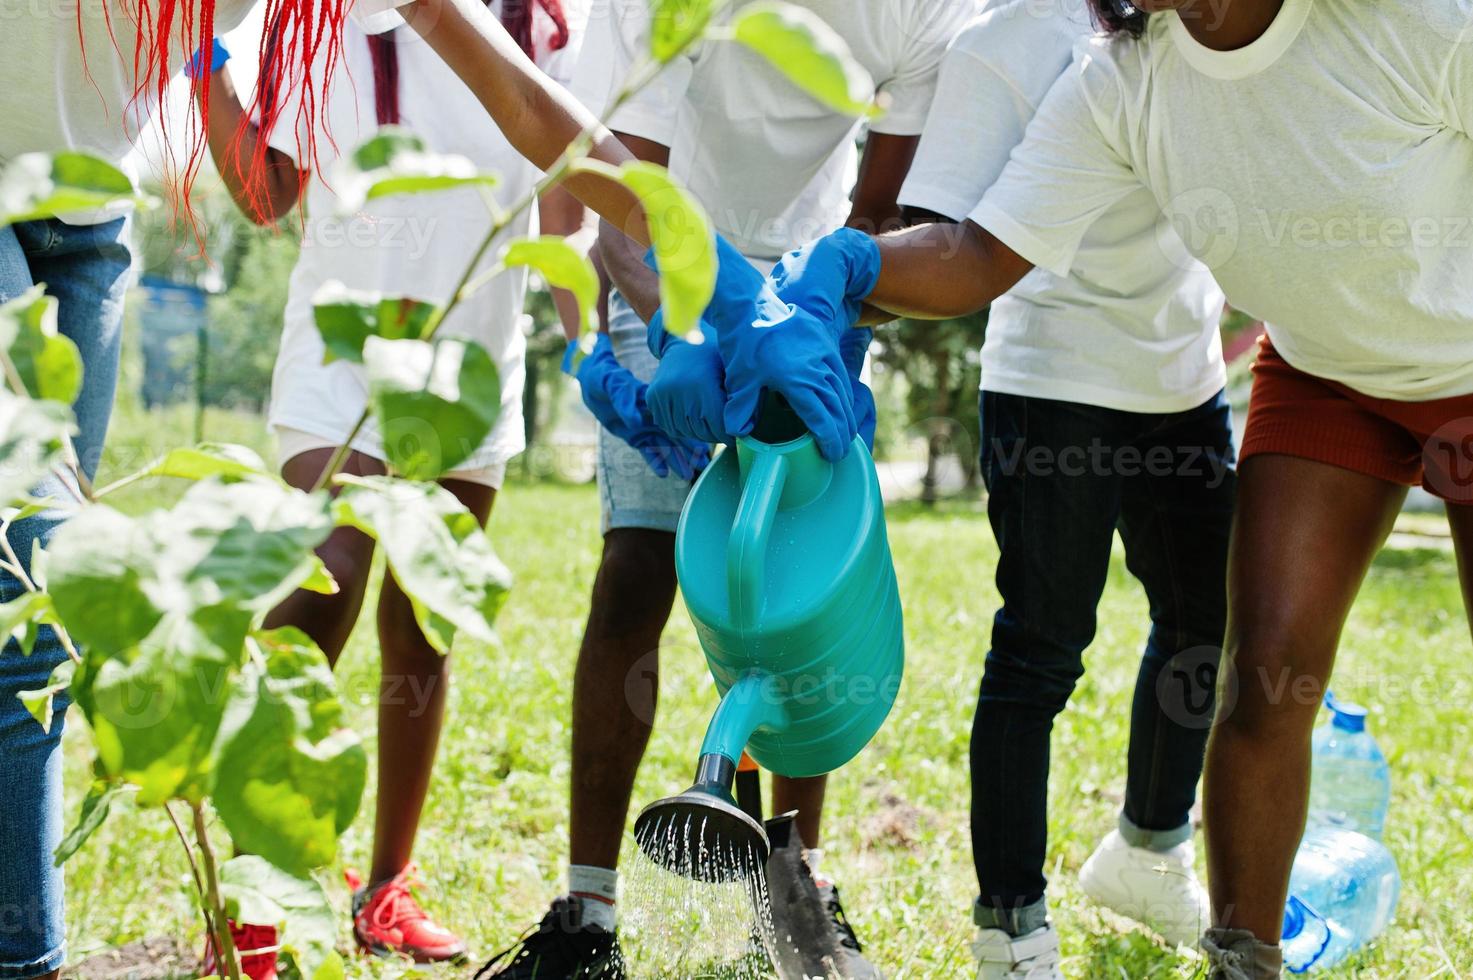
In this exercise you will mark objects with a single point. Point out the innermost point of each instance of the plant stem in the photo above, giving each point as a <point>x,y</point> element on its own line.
<point>14,567</point>
<point>199,883</point>
<point>214,905</point>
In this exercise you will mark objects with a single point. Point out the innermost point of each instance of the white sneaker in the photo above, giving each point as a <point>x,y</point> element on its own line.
<point>1158,889</point>
<point>1004,957</point>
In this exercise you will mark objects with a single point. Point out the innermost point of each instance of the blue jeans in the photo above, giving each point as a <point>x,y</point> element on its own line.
<point>87,269</point>
<point>1061,478</point>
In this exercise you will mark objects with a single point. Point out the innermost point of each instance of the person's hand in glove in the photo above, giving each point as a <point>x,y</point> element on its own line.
<point>687,396</point>
<point>830,277</point>
<point>852,348</point>
<point>618,400</point>
<point>767,344</point>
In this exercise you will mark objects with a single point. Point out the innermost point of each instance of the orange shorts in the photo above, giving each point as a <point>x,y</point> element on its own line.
<point>1297,414</point>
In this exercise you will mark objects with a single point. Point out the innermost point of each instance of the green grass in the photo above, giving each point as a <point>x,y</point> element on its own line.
<point>495,838</point>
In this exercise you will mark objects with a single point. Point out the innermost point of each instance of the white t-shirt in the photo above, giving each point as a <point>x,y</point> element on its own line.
<point>61,93</point>
<point>1324,173</point>
<point>771,165</point>
<point>1125,329</point>
<point>410,245</point>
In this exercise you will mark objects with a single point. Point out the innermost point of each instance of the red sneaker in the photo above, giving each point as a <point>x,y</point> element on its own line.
<point>388,921</point>
<point>256,946</point>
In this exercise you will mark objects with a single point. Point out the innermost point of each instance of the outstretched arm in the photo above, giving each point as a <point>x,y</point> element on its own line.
<point>939,271</point>
<point>538,116</point>
<point>282,181</point>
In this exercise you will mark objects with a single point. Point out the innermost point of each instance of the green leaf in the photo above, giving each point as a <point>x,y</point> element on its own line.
<point>800,44</point>
<point>563,266</point>
<point>21,615</point>
<point>100,567</point>
<point>155,708</point>
<point>347,318</point>
<point>435,402</point>
<point>220,555</point>
<point>46,363</point>
<point>39,702</point>
<point>320,579</point>
<point>256,891</point>
<point>290,775</point>
<point>40,185</point>
<point>439,554</point>
<point>684,244</point>
<point>676,24</point>
<point>95,806</point>
<point>33,435</point>
<point>25,507</point>
<point>225,460</point>
<point>397,161</point>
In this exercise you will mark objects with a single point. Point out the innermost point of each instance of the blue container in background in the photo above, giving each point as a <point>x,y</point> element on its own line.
<point>1350,786</point>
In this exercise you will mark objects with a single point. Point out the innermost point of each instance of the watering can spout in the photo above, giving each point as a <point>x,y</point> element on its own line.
<point>702,833</point>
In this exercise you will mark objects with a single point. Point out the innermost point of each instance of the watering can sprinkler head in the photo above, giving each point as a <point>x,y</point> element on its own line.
<point>702,833</point>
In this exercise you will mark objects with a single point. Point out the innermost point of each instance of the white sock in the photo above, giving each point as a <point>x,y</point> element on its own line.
<point>813,857</point>
<point>599,889</point>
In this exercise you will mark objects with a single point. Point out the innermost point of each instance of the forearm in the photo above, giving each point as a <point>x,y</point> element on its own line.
<point>623,258</point>
<point>279,184</point>
<point>539,118</point>
<point>938,271</point>
<point>560,213</point>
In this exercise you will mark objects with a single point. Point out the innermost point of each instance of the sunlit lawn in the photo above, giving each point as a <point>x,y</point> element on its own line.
<point>495,841</point>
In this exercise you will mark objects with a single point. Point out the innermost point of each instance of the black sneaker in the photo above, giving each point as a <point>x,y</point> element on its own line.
<point>561,947</point>
<point>811,935</point>
<point>828,894</point>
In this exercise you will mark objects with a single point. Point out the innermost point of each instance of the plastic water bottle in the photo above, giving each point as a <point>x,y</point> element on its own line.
<point>1350,785</point>
<point>1342,894</point>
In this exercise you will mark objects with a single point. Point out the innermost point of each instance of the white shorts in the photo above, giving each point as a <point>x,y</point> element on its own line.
<point>292,443</point>
<point>630,493</point>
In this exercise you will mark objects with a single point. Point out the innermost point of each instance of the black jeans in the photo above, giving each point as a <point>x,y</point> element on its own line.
<point>1061,478</point>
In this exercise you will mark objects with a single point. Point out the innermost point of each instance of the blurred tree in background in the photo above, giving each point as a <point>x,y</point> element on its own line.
<point>938,367</point>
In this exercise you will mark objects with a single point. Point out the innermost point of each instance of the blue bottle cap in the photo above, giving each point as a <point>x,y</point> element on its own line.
<point>1348,716</point>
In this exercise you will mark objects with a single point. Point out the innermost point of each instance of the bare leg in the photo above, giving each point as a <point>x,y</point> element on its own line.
<point>805,796</point>
<point>1303,538</point>
<point>411,711</point>
<point>1460,517</point>
<point>347,553</point>
<point>615,686</point>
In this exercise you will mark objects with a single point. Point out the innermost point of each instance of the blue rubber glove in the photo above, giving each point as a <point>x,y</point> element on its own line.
<point>611,393</point>
<point>218,56</point>
<point>617,399</point>
<point>687,397</point>
<point>852,348</point>
<point>767,344</point>
<point>830,277</point>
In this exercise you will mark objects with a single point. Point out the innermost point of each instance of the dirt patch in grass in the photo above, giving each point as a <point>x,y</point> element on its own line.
<point>156,958</point>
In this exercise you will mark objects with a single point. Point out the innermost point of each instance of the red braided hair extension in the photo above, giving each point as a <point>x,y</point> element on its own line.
<point>299,33</point>
<point>517,17</point>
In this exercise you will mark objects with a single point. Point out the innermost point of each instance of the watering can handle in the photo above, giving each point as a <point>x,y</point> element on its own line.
<point>746,550</point>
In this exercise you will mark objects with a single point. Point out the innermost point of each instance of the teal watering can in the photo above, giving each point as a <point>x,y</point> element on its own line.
<point>786,571</point>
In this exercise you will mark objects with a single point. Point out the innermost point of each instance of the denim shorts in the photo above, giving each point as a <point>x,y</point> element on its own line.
<point>87,268</point>
<point>630,493</point>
